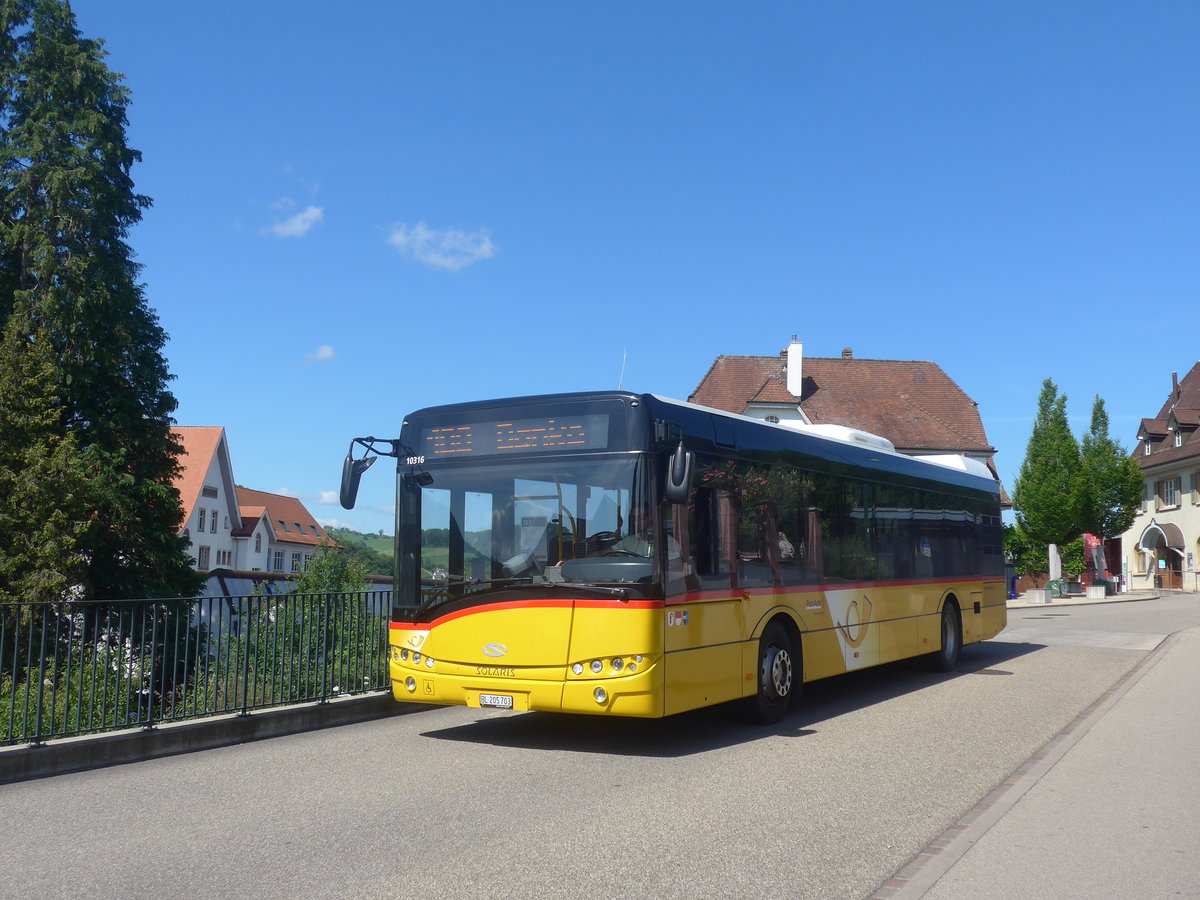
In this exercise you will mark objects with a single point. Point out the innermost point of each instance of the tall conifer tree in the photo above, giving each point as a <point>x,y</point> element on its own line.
<point>44,480</point>
<point>1047,494</point>
<point>67,275</point>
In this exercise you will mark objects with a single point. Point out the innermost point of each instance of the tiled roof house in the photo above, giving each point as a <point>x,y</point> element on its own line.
<point>1161,548</point>
<point>913,404</point>
<point>234,528</point>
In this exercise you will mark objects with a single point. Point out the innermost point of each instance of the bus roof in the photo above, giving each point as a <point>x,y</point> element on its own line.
<point>731,432</point>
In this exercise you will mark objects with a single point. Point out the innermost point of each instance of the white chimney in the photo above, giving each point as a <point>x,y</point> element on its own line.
<point>795,367</point>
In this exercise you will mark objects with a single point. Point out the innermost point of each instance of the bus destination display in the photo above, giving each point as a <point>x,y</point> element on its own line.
<point>542,435</point>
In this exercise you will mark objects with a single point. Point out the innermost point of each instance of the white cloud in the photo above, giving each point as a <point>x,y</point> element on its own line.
<point>324,353</point>
<point>447,248</point>
<point>298,225</point>
<point>327,498</point>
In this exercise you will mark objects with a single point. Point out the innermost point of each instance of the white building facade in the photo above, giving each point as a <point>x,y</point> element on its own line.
<point>1161,549</point>
<point>232,529</point>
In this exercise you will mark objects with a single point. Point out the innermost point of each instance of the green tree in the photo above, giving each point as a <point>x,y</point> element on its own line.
<point>1047,496</point>
<point>44,509</point>
<point>332,571</point>
<point>67,275</point>
<point>1112,480</point>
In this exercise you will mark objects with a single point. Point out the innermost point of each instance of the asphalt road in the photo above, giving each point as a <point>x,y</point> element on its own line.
<point>462,803</point>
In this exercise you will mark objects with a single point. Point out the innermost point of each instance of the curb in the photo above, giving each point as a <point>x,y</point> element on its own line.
<point>1082,601</point>
<point>77,754</point>
<point>922,872</point>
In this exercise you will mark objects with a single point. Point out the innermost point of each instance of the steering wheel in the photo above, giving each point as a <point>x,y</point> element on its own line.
<point>620,551</point>
<point>601,537</point>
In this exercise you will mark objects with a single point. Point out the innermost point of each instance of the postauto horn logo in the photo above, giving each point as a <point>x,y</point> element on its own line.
<point>494,650</point>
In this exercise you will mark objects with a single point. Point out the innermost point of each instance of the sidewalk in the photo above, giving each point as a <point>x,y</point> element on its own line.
<point>1081,600</point>
<point>1107,809</point>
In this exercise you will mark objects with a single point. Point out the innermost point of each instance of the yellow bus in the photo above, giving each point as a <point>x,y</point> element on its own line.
<point>628,555</point>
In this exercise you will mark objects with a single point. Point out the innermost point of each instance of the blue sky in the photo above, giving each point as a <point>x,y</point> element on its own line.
<point>362,212</point>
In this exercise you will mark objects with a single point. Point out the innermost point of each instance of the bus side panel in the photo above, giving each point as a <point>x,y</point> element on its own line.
<point>995,609</point>
<point>703,653</point>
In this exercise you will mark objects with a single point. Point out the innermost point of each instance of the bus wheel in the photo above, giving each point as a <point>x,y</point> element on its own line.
<point>945,659</point>
<point>777,676</point>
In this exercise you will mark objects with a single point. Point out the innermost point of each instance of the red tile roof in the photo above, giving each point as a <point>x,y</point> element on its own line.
<point>292,522</point>
<point>913,404</point>
<point>200,445</point>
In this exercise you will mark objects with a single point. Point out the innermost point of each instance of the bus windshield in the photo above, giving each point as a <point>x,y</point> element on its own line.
<point>500,525</point>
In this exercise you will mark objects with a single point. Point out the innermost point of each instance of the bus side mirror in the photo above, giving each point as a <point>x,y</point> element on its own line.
<point>352,470</point>
<point>679,475</point>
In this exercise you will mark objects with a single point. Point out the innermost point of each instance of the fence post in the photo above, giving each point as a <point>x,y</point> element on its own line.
<point>41,687</point>
<point>245,642</point>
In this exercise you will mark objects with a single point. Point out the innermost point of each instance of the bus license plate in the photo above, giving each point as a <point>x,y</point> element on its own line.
<point>499,701</point>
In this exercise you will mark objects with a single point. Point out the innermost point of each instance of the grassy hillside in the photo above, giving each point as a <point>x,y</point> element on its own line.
<point>373,550</point>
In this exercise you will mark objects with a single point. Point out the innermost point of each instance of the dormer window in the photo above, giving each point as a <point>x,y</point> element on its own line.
<point>1178,438</point>
<point>1146,451</point>
<point>283,525</point>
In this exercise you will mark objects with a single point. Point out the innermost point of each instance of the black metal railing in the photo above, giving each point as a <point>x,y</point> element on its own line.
<point>76,668</point>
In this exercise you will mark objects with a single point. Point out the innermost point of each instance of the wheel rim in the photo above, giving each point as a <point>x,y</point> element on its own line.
<point>776,673</point>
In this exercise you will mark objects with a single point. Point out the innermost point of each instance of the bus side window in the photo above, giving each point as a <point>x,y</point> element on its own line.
<point>681,563</point>
<point>713,523</point>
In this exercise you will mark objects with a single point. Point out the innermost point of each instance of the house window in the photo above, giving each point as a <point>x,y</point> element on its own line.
<point>203,559</point>
<point>283,525</point>
<point>1169,492</point>
<point>207,491</point>
<point>295,562</point>
<point>299,527</point>
<point>1178,438</point>
<point>225,558</point>
<point>774,420</point>
<point>203,518</point>
<point>258,543</point>
<point>1146,450</point>
<point>277,561</point>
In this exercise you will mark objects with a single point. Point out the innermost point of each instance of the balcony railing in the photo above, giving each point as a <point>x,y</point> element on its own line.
<point>77,668</point>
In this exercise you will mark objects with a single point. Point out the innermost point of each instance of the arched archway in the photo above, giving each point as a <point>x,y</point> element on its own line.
<point>1163,547</point>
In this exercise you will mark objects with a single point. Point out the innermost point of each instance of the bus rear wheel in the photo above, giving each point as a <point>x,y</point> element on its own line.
<point>946,658</point>
<point>778,676</point>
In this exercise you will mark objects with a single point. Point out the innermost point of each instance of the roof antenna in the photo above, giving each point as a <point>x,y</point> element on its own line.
<point>624,356</point>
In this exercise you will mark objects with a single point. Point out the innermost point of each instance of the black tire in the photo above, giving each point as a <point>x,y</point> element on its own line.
<point>946,656</point>
<point>779,676</point>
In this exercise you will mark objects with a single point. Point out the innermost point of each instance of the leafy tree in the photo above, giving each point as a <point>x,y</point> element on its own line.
<point>68,277</point>
<point>332,571</point>
<point>1112,480</point>
<point>1047,496</point>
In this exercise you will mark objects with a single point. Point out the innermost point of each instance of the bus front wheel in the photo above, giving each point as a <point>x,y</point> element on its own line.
<point>946,658</point>
<point>778,676</point>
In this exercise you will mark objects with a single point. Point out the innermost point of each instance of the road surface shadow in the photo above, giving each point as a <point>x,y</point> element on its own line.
<point>717,727</point>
